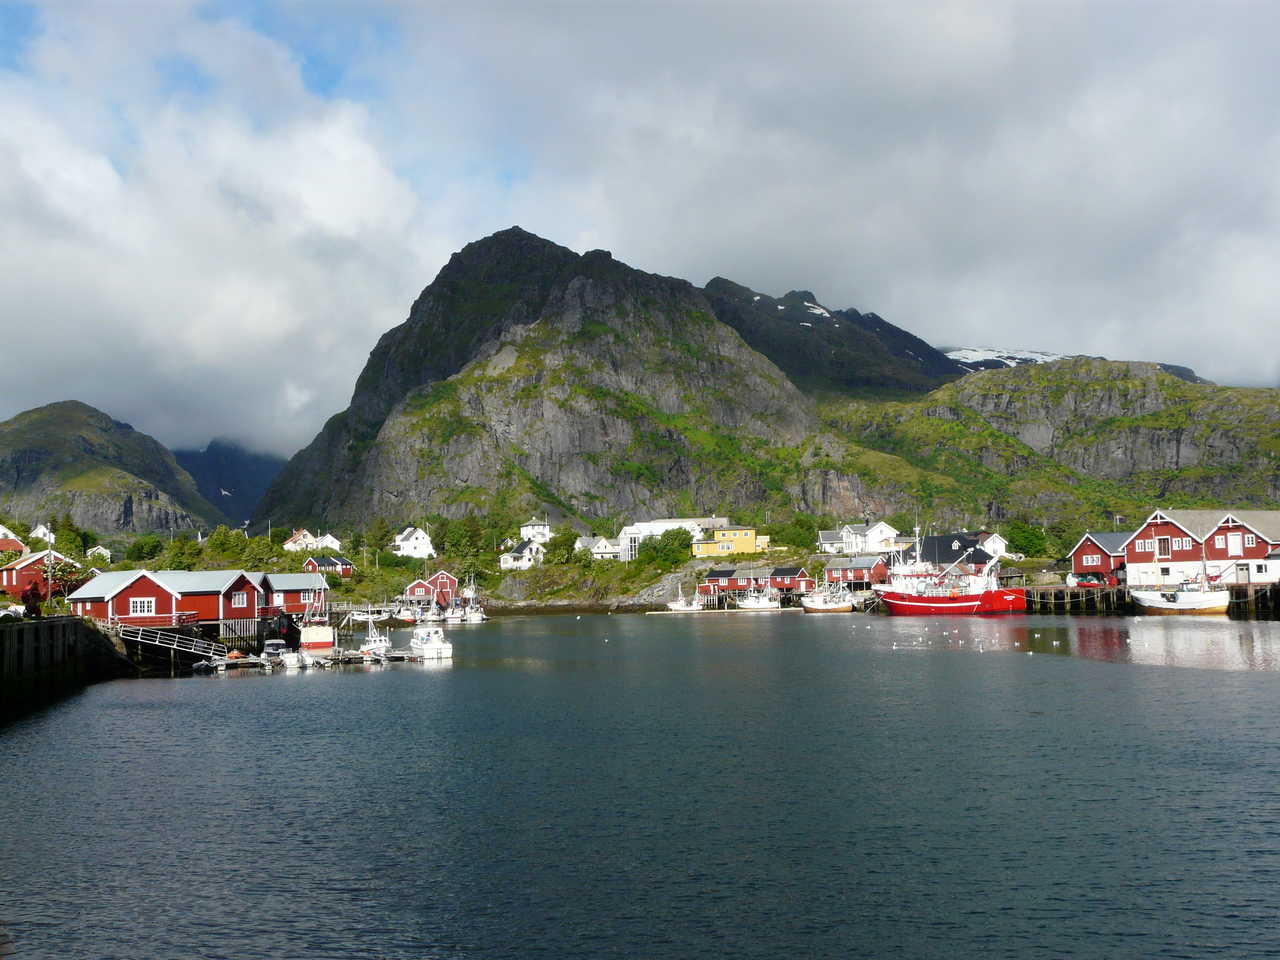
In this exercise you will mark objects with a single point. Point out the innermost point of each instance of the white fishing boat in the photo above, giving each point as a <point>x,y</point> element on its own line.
<point>1192,598</point>
<point>432,614</point>
<point>376,644</point>
<point>760,600</point>
<point>681,604</point>
<point>274,650</point>
<point>455,614</point>
<point>833,599</point>
<point>430,644</point>
<point>475,613</point>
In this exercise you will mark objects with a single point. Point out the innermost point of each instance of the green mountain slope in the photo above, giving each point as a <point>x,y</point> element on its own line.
<point>69,457</point>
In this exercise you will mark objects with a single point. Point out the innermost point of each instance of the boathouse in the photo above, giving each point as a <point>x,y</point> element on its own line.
<point>1101,553</point>
<point>1226,546</point>
<point>295,593</point>
<point>857,570</point>
<point>170,597</point>
<point>442,585</point>
<point>790,580</point>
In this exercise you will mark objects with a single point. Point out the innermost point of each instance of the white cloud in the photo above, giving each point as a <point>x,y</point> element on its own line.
<point>211,248</point>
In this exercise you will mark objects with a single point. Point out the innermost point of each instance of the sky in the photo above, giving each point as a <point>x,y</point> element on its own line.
<point>209,212</point>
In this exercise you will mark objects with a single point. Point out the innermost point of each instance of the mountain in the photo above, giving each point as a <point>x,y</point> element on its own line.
<point>528,374</point>
<point>830,351</point>
<point>1072,442</point>
<point>70,457</point>
<point>231,477</point>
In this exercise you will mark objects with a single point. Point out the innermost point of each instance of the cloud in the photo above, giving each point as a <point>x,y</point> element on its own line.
<point>210,213</point>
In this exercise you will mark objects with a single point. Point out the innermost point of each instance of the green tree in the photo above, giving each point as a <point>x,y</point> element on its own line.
<point>145,548</point>
<point>560,547</point>
<point>225,544</point>
<point>667,551</point>
<point>259,553</point>
<point>180,554</point>
<point>1027,539</point>
<point>379,534</point>
<point>62,576</point>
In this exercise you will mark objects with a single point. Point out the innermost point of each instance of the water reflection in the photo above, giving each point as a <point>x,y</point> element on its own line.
<point>1207,643</point>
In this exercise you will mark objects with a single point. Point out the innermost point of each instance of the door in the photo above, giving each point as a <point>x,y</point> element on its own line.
<point>1242,572</point>
<point>1235,544</point>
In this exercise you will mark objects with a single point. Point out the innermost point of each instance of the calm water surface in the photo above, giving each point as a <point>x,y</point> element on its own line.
<point>747,786</point>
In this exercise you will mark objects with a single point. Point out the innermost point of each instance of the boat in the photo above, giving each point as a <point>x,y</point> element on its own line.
<point>1192,598</point>
<point>475,613</point>
<point>273,650</point>
<point>921,589</point>
<point>681,604</point>
<point>828,600</point>
<point>376,644</point>
<point>455,614</point>
<point>760,600</point>
<point>432,614</point>
<point>430,644</point>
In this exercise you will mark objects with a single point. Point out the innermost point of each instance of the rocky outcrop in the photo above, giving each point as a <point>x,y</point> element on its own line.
<point>584,384</point>
<point>70,458</point>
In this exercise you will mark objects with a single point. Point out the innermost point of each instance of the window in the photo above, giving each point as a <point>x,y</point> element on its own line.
<point>239,599</point>
<point>1164,547</point>
<point>1219,541</point>
<point>1164,571</point>
<point>1091,560</point>
<point>419,591</point>
<point>304,596</point>
<point>142,606</point>
<point>1250,540</point>
<point>1260,568</point>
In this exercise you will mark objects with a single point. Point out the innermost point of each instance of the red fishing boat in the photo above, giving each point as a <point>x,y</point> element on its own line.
<point>924,589</point>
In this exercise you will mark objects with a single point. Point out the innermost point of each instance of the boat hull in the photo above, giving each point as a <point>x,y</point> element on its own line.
<point>1174,602</point>
<point>989,601</point>
<point>809,606</point>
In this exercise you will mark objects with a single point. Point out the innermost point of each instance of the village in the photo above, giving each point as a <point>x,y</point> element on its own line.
<point>726,568</point>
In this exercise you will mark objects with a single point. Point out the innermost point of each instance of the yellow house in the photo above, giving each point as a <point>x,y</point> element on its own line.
<point>730,540</point>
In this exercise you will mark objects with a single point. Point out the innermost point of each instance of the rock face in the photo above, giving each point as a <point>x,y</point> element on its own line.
<point>528,373</point>
<point>231,477</point>
<point>69,457</point>
<point>831,351</point>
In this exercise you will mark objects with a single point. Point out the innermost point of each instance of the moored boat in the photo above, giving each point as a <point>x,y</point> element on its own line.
<point>921,589</point>
<point>827,601</point>
<point>1191,598</point>
<point>683,604</point>
<point>760,600</point>
<point>430,644</point>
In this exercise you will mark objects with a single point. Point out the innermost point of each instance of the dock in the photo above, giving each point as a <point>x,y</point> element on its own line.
<point>1248,600</point>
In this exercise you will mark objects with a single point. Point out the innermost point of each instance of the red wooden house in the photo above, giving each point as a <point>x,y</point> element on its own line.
<point>1100,553</point>
<point>338,566</point>
<point>295,593</point>
<point>865,570</point>
<point>1226,546</point>
<point>420,590</point>
<point>790,580</point>
<point>143,598</point>
<point>15,577</point>
<point>442,585</point>
<point>726,580</point>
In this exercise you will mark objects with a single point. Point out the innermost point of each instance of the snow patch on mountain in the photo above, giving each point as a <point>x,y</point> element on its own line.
<point>986,358</point>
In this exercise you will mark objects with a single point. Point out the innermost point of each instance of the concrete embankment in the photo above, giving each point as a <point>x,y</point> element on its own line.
<point>42,660</point>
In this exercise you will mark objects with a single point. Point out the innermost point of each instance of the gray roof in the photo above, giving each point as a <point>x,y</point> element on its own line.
<point>856,527</point>
<point>829,536</point>
<point>104,584</point>
<point>296,581</point>
<point>855,563</point>
<point>177,581</point>
<point>755,573</point>
<point>1111,543</point>
<point>1201,523</point>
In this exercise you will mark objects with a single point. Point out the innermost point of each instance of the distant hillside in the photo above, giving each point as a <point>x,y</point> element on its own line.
<point>69,457</point>
<point>830,351</point>
<point>987,358</point>
<point>231,477</point>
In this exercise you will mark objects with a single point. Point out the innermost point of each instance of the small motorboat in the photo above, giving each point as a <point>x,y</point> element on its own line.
<point>429,643</point>
<point>681,604</point>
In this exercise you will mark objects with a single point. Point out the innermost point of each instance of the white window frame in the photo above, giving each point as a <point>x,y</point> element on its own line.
<point>1220,541</point>
<point>304,596</point>
<point>142,606</point>
<point>240,599</point>
<point>1168,553</point>
<point>1250,540</point>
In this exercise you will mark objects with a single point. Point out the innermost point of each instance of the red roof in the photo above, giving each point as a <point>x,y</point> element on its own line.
<point>8,543</point>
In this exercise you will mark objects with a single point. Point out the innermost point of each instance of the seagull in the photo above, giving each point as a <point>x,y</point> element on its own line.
<point>224,492</point>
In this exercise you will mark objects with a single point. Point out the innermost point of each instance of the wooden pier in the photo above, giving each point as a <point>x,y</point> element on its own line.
<point>1255,601</point>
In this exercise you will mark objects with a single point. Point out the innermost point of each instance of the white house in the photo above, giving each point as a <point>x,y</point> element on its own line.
<point>539,531</point>
<point>600,548</point>
<point>301,541</point>
<point>994,544</point>
<point>856,539</point>
<point>328,542</point>
<point>413,542</point>
<point>523,556</point>
<point>631,536</point>
<point>43,532</point>
<point>99,551</point>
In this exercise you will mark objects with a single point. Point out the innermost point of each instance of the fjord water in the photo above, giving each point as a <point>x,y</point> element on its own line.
<point>746,786</point>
